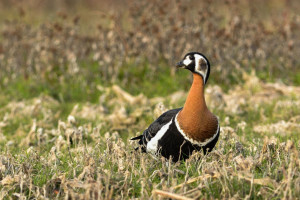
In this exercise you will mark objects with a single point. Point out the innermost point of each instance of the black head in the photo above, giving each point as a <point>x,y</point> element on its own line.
<point>196,63</point>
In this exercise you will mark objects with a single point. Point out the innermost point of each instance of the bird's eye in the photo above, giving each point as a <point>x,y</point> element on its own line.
<point>191,57</point>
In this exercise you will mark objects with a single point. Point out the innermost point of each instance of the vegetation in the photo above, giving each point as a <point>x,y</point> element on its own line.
<point>74,88</point>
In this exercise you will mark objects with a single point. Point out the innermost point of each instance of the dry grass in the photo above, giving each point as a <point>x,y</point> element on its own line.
<point>88,155</point>
<point>72,96</point>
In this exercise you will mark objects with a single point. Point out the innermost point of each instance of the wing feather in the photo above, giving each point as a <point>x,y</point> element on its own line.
<point>151,131</point>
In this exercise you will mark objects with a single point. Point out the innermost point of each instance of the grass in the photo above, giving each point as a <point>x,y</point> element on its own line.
<point>71,97</point>
<point>83,88</point>
<point>100,160</point>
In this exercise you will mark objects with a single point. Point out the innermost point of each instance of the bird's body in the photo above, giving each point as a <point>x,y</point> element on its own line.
<point>178,132</point>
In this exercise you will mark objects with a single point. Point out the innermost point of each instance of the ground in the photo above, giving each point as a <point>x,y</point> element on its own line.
<point>74,91</point>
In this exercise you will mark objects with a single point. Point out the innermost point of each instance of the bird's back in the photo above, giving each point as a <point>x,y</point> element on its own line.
<point>155,127</point>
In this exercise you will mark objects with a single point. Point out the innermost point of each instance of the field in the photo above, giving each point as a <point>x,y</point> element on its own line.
<point>78,80</point>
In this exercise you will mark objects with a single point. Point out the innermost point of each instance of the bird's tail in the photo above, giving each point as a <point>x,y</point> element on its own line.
<point>137,138</point>
<point>140,142</point>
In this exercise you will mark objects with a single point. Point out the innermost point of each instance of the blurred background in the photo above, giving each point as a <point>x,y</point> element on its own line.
<point>65,48</point>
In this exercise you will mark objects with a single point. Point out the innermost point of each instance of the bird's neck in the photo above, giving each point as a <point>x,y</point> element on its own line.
<point>195,118</point>
<point>195,103</point>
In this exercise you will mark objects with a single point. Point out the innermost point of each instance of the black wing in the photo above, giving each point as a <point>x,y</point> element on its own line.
<point>151,131</point>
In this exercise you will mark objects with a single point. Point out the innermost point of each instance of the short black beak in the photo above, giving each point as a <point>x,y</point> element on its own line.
<point>180,64</point>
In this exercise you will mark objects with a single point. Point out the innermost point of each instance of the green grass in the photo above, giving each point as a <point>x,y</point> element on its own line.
<point>83,87</point>
<point>101,155</point>
<point>95,156</point>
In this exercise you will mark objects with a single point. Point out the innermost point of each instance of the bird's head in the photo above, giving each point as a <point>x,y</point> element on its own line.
<point>196,63</point>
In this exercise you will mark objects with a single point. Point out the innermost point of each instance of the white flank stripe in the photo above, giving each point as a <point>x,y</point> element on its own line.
<point>208,140</point>
<point>152,145</point>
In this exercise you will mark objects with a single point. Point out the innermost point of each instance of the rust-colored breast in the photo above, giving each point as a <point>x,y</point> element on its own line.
<point>195,119</point>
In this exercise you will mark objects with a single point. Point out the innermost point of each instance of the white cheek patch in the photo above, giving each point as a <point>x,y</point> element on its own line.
<point>199,59</point>
<point>187,61</point>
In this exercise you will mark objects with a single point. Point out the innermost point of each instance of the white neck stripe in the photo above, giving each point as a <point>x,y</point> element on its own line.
<point>198,68</point>
<point>208,140</point>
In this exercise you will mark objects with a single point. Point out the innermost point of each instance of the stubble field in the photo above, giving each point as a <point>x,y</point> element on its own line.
<point>76,86</point>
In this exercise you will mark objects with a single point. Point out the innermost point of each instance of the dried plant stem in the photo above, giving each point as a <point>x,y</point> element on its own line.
<point>70,155</point>
<point>169,195</point>
<point>259,181</point>
<point>196,179</point>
